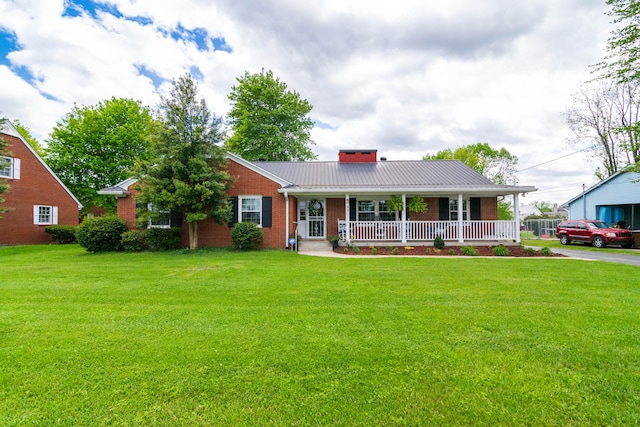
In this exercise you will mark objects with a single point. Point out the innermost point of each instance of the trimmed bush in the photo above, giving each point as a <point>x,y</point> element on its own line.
<point>155,239</point>
<point>469,251</point>
<point>438,243</point>
<point>500,250</point>
<point>62,233</point>
<point>247,236</point>
<point>134,241</point>
<point>101,234</point>
<point>162,239</point>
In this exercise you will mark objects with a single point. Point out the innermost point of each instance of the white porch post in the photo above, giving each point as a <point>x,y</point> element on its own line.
<point>403,230</point>
<point>347,223</point>
<point>286,215</point>
<point>516,216</point>
<point>460,212</point>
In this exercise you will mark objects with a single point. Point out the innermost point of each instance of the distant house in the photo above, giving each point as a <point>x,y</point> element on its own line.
<point>350,198</point>
<point>37,197</point>
<point>615,200</point>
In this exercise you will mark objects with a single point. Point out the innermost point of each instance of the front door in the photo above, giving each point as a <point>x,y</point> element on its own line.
<point>316,218</point>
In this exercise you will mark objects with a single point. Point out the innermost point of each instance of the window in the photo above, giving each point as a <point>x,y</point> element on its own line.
<point>250,209</point>
<point>453,210</point>
<point>375,210</point>
<point>161,219</point>
<point>366,210</point>
<point>45,215</point>
<point>9,168</point>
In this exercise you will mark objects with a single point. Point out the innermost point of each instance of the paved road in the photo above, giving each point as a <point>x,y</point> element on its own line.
<point>607,254</point>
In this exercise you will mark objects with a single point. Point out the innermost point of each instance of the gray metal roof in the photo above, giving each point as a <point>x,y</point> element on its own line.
<point>419,175</point>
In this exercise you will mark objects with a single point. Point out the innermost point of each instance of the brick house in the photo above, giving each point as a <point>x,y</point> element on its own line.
<point>36,196</point>
<point>350,198</point>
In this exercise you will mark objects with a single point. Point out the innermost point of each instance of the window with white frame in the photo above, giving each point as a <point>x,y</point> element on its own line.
<point>375,210</point>
<point>250,209</point>
<point>45,215</point>
<point>160,219</point>
<point>453,210</point>
<point>9,167</point>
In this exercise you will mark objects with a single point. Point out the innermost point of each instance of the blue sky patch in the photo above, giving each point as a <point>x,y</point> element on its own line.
<point>152,75</point>
<point>75,8</point>
<point>8,43</point>
<point>322,125</point>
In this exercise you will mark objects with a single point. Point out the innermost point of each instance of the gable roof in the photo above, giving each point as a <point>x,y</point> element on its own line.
<point>8,129</point>
<point>408,176</point>
<point>596,186</point>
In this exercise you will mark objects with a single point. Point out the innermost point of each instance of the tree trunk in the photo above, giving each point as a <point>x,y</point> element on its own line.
<point>193,235</point>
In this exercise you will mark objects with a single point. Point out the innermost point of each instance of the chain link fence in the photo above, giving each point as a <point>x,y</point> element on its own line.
<point>541,228</point>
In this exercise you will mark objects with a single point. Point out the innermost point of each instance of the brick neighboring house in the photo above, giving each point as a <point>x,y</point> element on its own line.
<point>37,197</point>
<point>349,197</point>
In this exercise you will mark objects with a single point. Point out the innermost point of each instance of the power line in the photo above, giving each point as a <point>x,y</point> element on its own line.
<point>553,160</point>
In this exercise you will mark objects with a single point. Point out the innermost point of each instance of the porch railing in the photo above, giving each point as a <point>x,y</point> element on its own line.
<point>427,230</point>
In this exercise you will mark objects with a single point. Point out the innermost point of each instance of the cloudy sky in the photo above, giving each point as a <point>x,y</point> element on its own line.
<point>407,78</point>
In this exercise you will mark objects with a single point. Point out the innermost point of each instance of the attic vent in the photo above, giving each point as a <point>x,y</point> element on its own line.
<point>383,159</point>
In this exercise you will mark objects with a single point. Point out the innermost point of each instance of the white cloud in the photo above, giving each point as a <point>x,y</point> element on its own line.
<point>408,78</point>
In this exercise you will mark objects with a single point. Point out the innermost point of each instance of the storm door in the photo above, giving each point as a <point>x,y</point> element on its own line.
<point>316,218</point>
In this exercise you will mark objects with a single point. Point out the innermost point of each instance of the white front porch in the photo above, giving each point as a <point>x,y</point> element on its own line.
<point>424,231</point>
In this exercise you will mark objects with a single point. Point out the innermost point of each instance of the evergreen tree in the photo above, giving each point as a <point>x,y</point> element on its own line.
<point>187,169</point>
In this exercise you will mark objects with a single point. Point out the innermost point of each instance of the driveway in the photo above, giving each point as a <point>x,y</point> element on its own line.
<point>609,255</point>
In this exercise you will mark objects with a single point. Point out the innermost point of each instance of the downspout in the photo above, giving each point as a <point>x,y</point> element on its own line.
<point>403,230</point>
<point>516,216</point>
<point>347,223</point>
<point>460,231</point>
<point>286,215</point>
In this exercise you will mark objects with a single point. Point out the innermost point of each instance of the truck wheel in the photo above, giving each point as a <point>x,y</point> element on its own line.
<point>564,240</point>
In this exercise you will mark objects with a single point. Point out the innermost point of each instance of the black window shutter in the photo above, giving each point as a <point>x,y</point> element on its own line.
<point>234,211</point>
<point>176,218</point>
<point>266,211</point>
<point>443,205</point>
<point>353,209</point>
<point>475,208</point>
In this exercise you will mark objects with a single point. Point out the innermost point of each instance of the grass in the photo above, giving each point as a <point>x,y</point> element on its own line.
<point>276,338</point>
<point>555,243</point>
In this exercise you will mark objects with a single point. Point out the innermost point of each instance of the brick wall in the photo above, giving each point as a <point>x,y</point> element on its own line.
<point>36,186</point>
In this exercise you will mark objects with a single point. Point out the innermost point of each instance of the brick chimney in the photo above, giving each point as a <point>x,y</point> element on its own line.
<point>357,156</point>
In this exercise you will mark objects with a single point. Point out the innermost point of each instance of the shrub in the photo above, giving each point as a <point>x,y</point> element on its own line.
<point>163,239</point>
<point>530,251</point>
<point>394,251</point>
<point>356,250</point>
<point>134,241</point>
<point>62,233</point>
<point>500,250</point>
<point>374,251</point>
<point>546,251</point>
<point>469,251</point>
<point>247,236</point>
<point>438,243</point>
<point>101,234</point>
<point>452,252</point>
<point>428,251</point>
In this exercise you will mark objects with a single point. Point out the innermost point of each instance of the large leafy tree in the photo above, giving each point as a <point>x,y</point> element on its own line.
<point>497,165</point>
<point>621,62</point>
<point>95,147</point>
<point>268,121</point>
<point>187,170</point>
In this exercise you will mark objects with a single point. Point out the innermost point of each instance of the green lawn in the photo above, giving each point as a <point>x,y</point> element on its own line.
<point>277,338</point>
<point>555,243</point>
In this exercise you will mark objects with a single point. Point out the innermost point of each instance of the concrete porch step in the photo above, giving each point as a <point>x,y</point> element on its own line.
<point>314,246</point>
